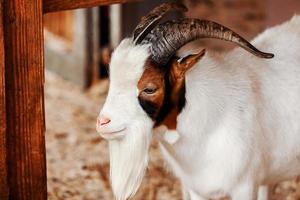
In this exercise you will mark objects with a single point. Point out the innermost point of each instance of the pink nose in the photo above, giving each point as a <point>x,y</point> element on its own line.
<point>103,120</point>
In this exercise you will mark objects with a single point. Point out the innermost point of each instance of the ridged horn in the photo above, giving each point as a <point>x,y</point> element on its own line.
<point>168,37</point>
<point>149,21</point>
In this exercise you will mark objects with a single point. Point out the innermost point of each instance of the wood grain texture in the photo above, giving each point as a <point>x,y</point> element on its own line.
<point>3,166</point>
<point>24,80</point>
<point>59,5</point>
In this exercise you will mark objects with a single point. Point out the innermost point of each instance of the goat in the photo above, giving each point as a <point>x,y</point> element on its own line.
<point>235,120</point>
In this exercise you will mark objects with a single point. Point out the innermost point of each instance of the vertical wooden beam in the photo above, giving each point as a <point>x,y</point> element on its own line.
<point>89,48</point>
<point>3,166</point>
<point>24,79</point>
<point>92,47</point>
<point>115,20</point>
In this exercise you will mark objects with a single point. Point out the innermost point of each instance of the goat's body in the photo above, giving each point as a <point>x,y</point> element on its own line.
<point>240,127</point>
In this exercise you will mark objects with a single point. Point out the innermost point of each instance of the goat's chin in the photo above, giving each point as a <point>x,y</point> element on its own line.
<point>128,161</point>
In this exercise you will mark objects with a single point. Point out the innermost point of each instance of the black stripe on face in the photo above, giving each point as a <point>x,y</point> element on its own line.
<point>181,100</point>
<point>149,107</point>
<point>168,104</point>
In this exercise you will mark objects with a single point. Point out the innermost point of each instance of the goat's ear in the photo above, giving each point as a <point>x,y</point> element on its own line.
<point>180,66</point>
<point>187,62</point>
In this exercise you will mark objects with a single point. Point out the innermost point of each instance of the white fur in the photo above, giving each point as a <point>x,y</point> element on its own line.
<point>240,128</point>
<point>171,136</point>
<point>245,127</point>
<point>129,132</point>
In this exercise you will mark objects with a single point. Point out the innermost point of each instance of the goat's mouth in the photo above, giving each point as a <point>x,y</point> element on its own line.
<point>113,135</point>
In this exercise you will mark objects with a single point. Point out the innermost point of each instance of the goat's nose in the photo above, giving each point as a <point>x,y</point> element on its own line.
<point>103,120</point>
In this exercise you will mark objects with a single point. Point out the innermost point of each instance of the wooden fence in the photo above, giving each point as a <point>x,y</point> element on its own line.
<point>22,114</point>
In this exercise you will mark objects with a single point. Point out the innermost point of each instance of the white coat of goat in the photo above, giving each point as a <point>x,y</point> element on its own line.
<point>239,128</point>
<point>245,127</point>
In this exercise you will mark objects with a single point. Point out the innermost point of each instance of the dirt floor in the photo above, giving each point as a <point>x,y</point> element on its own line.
<point>77,157</point>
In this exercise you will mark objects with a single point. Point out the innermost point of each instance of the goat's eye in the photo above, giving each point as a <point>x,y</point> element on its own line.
<point>149,90</point>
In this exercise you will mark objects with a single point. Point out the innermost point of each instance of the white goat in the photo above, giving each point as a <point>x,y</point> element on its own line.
<point>237,119</point>
<point>240,127</point>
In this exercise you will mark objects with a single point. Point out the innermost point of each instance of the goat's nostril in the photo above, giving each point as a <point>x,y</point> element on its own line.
<point>103,120</point>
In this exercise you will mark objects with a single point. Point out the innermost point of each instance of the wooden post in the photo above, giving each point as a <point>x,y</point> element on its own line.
<point>3,166</point>
<point>24,79</point>
<point>92,47</point>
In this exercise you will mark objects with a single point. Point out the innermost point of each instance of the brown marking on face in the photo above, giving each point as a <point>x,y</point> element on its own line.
<point>151,86</point>
<point>161,95</point>
<point>170,120</point>
<point>177,78</point>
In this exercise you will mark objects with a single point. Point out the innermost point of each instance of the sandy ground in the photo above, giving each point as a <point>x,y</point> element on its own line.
<point>77,158</point>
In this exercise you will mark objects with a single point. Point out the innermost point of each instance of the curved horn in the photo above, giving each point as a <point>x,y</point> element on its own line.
<point>149,21</point>
<point>168,37</point>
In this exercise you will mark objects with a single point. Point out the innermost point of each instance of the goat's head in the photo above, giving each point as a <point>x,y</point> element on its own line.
<point>147,88</point>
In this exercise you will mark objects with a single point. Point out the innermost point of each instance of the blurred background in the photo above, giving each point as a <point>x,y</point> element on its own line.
<point>78,45</point>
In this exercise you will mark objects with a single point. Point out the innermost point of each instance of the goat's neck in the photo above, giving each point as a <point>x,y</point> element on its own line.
<point>214,90</point>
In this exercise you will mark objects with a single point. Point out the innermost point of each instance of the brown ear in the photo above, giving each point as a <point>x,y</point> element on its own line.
<point>187,62</point>
<point>181,66</point>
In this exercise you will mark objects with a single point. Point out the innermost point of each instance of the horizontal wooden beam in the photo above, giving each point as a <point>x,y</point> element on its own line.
<point>59,5</point>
